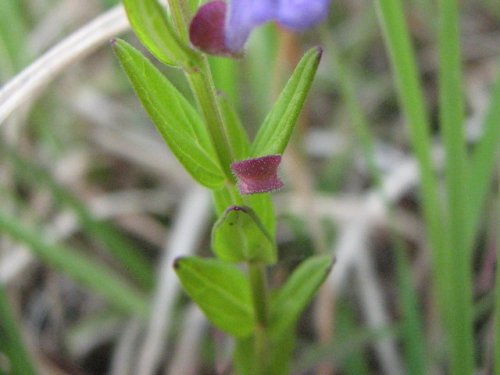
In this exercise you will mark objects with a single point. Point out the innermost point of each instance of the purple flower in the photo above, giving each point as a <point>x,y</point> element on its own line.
<point>258,175</point>
<point>225,30</point>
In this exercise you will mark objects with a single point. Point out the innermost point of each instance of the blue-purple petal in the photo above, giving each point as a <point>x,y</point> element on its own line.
<point>243,16</point>
<point>301,14</point>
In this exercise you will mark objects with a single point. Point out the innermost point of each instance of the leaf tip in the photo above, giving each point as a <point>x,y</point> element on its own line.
<point>319,51</point>
<point>177,263</point>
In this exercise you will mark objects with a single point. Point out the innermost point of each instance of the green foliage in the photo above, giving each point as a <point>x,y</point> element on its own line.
<point>118,246</point>
<point>482,164</point>
<point>239,236</point>
<point>260,203</point>
<point>222,292</point>
<point>274,134</point>
<point>11,343</point>
<point>297,293</point>
<point>89,274</point>
<point>154,30</point>
<point>279,352</point>
<point>175,119</point>
<point>235,131</point>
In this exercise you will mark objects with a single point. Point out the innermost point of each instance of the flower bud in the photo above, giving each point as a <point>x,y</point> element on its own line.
<point>206,31</point>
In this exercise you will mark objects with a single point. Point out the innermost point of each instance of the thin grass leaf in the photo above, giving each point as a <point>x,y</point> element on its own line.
<point>458,289</point>
<point>118,246</point>
<point>403,60</point>
<point>11,341</point>
<point>274,134</point>
<point>13,38</point>
<point>411,326</point>
<point>174,118</point>
<point>483,163</point>
<point>496,317</point>
<point>391,17</point>
<point>87,273</point>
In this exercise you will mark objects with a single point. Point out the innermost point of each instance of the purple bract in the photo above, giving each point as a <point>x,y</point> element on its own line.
<point>258,175</point>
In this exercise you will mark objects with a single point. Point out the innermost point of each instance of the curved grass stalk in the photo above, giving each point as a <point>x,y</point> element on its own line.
<point>28,83</point>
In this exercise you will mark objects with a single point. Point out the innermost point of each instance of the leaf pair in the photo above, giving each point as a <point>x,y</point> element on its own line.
<point>174,117</point>
<point>223,292</point>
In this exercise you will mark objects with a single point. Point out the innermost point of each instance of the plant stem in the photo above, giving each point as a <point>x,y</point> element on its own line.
<point>258,284</point>
<point>203,89</point>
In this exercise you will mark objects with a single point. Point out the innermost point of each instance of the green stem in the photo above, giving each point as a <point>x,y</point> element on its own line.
<point>203,89</point>
<point>202,85</point>
<point>258,284</point>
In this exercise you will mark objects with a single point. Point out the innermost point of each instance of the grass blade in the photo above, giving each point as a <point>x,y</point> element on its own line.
<point>411,326</point>
<point>411,97</point>
<point>117,245</point>
<point>483,163</point>
<point>11,342</point>
<point>496,328</point>
<point>89,274</point>
<point>457,312</point>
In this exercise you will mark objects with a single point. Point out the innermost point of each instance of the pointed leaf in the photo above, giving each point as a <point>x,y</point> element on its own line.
<point>274,134</point>
<point>152,26</point>
<point>175,119</point>
<point>222,292</point>
<point>235,131</point>
<point>483,163</point>
<point>297,293</point>
<point>239,236</point>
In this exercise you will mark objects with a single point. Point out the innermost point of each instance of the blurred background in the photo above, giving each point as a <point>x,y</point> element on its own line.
<point>94,207</point>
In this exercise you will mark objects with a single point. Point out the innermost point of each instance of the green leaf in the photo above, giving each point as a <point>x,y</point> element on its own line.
<point>262,204</point>
<point>275,132</point>
<point>483,164</point>
<point>295,295</point>
<point>222,292</point>
<point>118,245</point>
<point>239,236</point>
<point>152,26</point>
<point>237,135</point>
<point>77,266</point>
<point>175,119</point>
<point>11,340</point>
